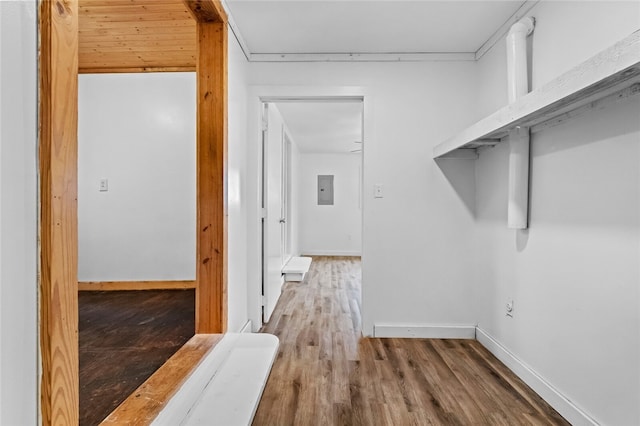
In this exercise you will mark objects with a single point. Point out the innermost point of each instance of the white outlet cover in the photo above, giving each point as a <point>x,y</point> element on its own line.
<point>509,308</point>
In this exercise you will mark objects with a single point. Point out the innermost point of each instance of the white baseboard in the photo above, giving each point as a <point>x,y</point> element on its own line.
<point>424,331</point>
<point>559,402</point>
<point>330,253</point>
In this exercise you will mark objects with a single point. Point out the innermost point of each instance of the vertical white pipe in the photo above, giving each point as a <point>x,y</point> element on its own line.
<point>517,73</point>
<point>518,207</point>
<point>518,85</point>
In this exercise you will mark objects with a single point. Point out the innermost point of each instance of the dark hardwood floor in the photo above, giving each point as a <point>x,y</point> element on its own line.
<point>124,337</point>
<point>326,374</point>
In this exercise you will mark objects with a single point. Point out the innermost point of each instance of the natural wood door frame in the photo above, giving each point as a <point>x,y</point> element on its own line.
<point>211,164</point>
<point>58,146</point>
<point>58,142</point>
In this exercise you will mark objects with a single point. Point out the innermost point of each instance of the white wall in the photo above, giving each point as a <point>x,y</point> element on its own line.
<point>574,275</point>
<point>237,187</point>
<point>137,130</point>
<point>18,214</point>
<point>416,250</point>
<point>335,229</point>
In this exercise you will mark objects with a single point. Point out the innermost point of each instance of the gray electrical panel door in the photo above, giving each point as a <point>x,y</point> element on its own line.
<point>325,190</point>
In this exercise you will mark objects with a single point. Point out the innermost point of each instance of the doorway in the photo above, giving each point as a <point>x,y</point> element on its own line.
<point>58,113</point>
<point>305,140</point>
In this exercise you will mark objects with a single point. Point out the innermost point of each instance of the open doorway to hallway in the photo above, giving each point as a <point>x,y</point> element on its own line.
<point>311,184</point>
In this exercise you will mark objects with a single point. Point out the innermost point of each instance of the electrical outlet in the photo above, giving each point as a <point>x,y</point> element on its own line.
<point>378,190</point>
<point>509,308</point>
<point>104,185</point>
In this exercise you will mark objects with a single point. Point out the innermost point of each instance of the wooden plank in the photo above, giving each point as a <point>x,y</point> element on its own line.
<point>211,253</point>
<point>379,381</point>
<point>180,36</point>
<point>147,50</point>
<point>107,7</point>
<point>58,211</point>
<point>147,401</point>
<point>141,57</point>
<point>137,32</point>
<point>134,285</point>
<point>107,70</point>
<point>133,60</point>
<point>88,25</point>
<point>207,10</point>
<point>136,35</point>
<point>613,70</point>
<point>110,3</point>
<point>139,17</point>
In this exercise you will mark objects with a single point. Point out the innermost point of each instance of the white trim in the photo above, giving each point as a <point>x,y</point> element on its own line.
<point>504,29</point>
<point>460,154</point>
<point>364,57</point>
<point>544,389</point>
<point>330,253</point>
<point>378,57</point>
<point>273,93</point>
<point>246,328</point>
<point>424,331</point>
<point>235,30</point>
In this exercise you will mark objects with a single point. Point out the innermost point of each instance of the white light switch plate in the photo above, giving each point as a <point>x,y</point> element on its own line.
<point>378,191</point>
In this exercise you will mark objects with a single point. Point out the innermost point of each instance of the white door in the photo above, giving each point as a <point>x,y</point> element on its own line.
<point>273,221</point>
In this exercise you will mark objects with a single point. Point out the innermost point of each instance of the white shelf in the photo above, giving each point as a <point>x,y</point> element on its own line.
<point>612,74</point>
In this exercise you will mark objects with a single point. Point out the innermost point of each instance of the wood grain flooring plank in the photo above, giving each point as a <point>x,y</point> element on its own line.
<point>124,336</point>
<point>326,373</point>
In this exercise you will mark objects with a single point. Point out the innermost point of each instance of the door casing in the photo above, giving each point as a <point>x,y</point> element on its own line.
<point>258,96</point>
<point>57,144</point>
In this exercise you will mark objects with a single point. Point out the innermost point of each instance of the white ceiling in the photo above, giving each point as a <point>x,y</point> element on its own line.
<point>311,28</point>
<point>364,26</point>
<point>324,127</point>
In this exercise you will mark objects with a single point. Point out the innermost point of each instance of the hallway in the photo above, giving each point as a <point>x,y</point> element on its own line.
<point>326,374</point>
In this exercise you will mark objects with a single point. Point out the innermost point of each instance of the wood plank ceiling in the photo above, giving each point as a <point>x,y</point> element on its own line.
<point>136,36</point>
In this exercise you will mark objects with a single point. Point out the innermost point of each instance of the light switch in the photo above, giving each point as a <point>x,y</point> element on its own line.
<point>378,191</point>
<point>104,185</point>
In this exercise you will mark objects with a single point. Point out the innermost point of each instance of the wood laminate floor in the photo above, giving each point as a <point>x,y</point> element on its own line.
<point>124,337</point>
<point>326,374</point>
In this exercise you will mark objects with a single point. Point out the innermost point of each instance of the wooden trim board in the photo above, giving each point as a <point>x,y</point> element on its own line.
<point>134,285</point>
<point>58,145</point>
<point>134,70</point>
<point>144,405</point>
<point>211,171</point>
